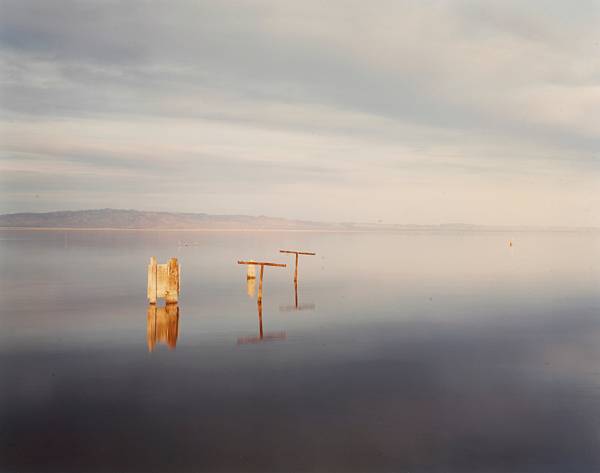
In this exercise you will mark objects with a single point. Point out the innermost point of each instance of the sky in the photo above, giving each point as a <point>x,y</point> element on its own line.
<point>419,112</point>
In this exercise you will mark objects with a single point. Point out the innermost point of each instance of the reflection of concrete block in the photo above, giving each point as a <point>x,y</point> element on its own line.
<point>251,287</point>
<point>163,281</point>
<point>162,325</point>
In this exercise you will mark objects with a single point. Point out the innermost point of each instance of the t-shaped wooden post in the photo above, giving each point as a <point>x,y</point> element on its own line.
<point>297,253</point>
<point>262,269</point>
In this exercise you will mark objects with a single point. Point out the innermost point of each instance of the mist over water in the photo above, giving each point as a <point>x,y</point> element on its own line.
<point>438,351</point>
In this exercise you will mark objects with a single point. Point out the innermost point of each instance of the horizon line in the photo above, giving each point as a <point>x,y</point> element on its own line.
<point>380,224</point>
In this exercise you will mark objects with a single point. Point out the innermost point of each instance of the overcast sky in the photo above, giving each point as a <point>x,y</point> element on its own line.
<point>405,112</point>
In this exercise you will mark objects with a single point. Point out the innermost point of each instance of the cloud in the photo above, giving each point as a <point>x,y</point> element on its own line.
<point>421,91</point>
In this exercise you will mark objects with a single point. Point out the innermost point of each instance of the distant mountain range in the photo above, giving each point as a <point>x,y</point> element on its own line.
<point>136,219</point>
<point>142,220</point>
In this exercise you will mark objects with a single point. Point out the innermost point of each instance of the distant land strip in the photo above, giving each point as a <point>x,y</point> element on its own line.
<point>119,220</point>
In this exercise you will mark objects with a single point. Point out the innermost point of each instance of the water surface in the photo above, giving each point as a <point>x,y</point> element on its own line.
<point>416,352</point>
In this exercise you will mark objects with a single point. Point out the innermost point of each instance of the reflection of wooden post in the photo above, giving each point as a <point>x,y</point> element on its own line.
<point>297,253</point>
<point>251,287</point>
<point>151,326</point>
<point>297,305</point>
<point>163,281</point>
<point>262,269</point>
<point>260,327</point>
<point>262,336</point>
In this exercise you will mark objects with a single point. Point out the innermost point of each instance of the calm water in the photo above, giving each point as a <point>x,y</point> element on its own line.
<point>428,352</point>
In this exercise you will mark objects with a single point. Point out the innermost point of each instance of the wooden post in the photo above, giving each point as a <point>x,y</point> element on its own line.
<point>296,292</point>
<point>297,253</point>
<point>262,265</point>
<point>152,281</point>
<point>296,270</point>
<point>259,299</point>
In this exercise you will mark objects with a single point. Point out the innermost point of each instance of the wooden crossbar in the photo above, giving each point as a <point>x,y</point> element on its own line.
<point>262,263</point>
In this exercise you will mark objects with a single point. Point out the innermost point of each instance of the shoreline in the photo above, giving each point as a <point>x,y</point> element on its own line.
<point>311,230</point>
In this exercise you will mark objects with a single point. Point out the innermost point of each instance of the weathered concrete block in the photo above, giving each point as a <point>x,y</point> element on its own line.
<point>163,281</point>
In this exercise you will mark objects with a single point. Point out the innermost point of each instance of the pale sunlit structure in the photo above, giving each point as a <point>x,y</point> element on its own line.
<point>251,287</point>
<point>251,273</point>
<point>163,281</point>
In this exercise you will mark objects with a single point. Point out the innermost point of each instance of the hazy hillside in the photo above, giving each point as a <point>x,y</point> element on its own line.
<point>135,219</point>
<point>111,218</point>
